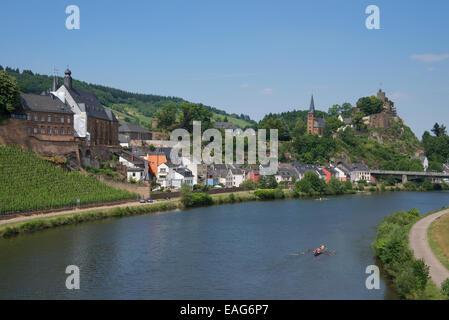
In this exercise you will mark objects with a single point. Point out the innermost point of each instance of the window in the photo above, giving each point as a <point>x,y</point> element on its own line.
<point>68,119</point>
<point>48,130</point>
<point>28,116</point>
<point>35,130</point>
<point>28,130</point>
<point>62,130</point>
<point>49,118</point>
<point>35,117</point>
<point>68,130</point>
<point>55,130</point>
<point>56,118</point>
<point>42,117</point>
<point>62,119</point>
<point>42,130</point>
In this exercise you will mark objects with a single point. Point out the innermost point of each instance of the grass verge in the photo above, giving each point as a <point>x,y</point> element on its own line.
<point>439,230</point>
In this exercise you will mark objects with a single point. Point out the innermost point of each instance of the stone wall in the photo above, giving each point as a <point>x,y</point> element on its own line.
<point>13,132</point>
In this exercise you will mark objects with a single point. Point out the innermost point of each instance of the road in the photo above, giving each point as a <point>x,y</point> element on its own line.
<point>61,213</point>
<point>421,249</point>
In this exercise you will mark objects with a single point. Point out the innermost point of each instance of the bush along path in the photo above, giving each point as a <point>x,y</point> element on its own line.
<point>421,249</point>
<point>409,275</point>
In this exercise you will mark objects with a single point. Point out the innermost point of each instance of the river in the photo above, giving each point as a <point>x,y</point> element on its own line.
<point>241,251</point>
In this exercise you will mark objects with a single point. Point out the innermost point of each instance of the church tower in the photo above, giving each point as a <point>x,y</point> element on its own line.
<point>311,117</point>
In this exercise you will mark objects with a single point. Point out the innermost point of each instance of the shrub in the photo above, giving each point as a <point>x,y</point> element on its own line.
<point>410,276</point>
<point>200,199</point>
<point>266,194</point>
<point>445,287</point>
<point>248,184</point>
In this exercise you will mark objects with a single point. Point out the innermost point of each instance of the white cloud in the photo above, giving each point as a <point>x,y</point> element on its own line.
<point>267,91</point>
<point>244,85</point>
<point>431,69</point>
<point>430,57</point>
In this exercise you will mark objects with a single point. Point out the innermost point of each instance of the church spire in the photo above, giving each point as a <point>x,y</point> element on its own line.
<point>312,106</point>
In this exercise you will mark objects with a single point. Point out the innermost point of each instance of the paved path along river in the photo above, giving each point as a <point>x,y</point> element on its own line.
<point>421,249</point>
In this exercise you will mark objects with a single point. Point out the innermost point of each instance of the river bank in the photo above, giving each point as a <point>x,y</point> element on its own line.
<point>42,222</point>
<point>31,223</point>
<point>394,241</point>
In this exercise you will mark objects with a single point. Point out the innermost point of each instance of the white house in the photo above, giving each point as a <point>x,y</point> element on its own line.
<point>198,169</point>
<point>360,172</point>
<point>234,178</point>
<point>339,174</point>
<point>181,176</point>
<point>136,174</point>
<point>172,176</point>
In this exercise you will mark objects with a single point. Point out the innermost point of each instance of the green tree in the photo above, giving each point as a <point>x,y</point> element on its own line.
<point>9,93</point>
<point>439,130</point>
<point>310,184</point>
<point>332,125</point>
<point>195,112</point>
<point>166,115</point>
<point>357,120</point>
<point>186,195</point>
<point>248,184</point>
<point>334,186</point>
<point>267,182</point>
<point>334,111</point>
<point>346,110</point>
<point>370,105</point>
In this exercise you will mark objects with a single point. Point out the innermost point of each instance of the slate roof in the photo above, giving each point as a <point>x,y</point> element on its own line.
<point>184,172</point>
<point>132,128</point>
<point>312,106</point>
<point>320,123</point>
<point>43,103</point>
<point>136,159</point>
<point>89,103</point>
<point>359,167</point>
<point>235,171</point>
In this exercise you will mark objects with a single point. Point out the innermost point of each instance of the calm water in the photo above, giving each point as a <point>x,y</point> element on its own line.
<point>241,251</point>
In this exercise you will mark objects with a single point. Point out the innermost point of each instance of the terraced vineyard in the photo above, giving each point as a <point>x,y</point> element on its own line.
<point>29,183</point>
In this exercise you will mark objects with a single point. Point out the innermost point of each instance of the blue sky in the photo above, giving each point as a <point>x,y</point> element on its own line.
<point>251,57</point>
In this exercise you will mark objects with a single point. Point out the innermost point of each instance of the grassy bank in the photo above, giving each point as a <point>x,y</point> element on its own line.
<point>41,223</point>
<point>438,237</point>
<point>409,276</point>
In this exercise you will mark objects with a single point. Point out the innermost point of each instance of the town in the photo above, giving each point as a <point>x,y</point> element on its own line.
<point>70,122</point>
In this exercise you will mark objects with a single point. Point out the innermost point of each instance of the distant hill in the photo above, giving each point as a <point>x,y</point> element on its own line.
<point>129,107</point>
<point>383,148</point>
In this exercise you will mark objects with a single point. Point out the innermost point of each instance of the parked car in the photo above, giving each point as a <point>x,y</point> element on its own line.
<point>150,200</point>
<point>142,200</point>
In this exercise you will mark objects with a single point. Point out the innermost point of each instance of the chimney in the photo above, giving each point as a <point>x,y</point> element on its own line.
<point>68,79</point>
<point>55,83</point>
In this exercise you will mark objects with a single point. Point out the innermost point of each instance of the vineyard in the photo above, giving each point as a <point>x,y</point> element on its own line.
<point>29,183</point>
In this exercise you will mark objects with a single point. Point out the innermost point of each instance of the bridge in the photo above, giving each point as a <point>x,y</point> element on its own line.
<point>411,174</point>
